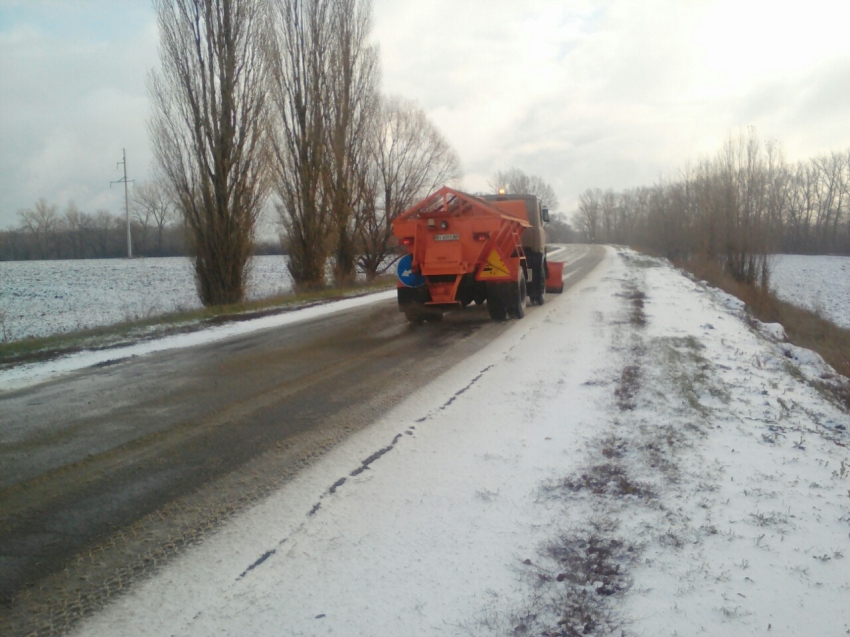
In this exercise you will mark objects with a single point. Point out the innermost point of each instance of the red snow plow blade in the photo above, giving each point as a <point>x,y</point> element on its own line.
<point>555,280</point>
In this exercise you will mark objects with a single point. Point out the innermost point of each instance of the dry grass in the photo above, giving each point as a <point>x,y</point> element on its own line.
<point>627,388</point>
<point>578,585</point>
<point>804,328</point>
<point>637,297</point>
<point>609,478</point>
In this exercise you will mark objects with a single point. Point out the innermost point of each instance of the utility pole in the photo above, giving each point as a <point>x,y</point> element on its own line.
<point>126,201</point>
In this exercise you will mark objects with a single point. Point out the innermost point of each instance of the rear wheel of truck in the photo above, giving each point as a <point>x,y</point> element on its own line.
<point>414,316</point>
<point>538,286</point>
<point>418,316</point>
<point>495,302</point>
<point>518,297</point>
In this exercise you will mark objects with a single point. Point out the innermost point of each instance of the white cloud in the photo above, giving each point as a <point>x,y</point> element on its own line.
<point>618,93</point>
<point>743,41</point>
<point>70,103</point>
<point>587,93</point>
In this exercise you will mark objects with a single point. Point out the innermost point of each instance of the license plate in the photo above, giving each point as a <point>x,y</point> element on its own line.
<point>446,237</point>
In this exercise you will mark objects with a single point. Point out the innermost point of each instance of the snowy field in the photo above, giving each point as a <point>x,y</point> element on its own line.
<point>819,283</point>
<point>632,458</point>
<point>41,298</point>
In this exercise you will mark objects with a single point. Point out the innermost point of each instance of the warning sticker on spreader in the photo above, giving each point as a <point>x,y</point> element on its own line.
<point>494,268</point>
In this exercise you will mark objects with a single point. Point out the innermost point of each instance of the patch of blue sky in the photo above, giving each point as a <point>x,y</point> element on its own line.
<point>79,19</point>
<point>578,24</point>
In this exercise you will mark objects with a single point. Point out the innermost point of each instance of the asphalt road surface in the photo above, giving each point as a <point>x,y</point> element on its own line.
<point>107,473</point>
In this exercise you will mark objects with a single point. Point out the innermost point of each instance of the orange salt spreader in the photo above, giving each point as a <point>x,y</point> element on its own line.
<point>463,249</point>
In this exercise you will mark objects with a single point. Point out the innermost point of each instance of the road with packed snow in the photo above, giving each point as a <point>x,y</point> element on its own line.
<point>115,460</point>
<point>634,457</point>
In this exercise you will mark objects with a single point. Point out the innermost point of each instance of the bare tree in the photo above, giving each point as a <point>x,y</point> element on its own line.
<point>42,222</point>
<point>843,243</point>
<point>727,210</point>
<point>739,192</point>
<point>353,75</point>
<point>152,203</point>
<point>101,233</point>
<point>299,87</point>
<point>141,218</point>
<point>589,214</point>
<point>75,223</point>
<point>559,230</point>
<point>209,131</point>
<point>411,159</point>
<point>515,181</point>
<point>834,185</point>
<point>608,209</point>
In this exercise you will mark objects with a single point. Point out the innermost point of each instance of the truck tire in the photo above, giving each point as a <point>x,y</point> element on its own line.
<point>495,302</point>
<point>414,316</point>
<point>538,286</point>
<point>518,297</point>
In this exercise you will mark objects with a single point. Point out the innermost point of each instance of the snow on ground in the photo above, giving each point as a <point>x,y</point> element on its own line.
<point>819,283</point>
<point>28,374</point>
<point>41,298</point>
<point>631,458</point>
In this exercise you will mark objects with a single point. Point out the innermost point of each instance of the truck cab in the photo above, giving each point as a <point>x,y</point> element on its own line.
<point>532,210</point>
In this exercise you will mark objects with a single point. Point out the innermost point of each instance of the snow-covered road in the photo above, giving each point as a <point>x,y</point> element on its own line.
<point>631,456</point>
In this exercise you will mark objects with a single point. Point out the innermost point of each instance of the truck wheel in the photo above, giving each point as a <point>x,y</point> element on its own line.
<point>519,297</point>
<point>414,316</point>
<point>495,303</point>
<point>539,286</point>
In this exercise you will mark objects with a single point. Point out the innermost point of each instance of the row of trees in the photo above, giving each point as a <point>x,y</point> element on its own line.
<point>515,181</point>
<point>279,99</point>
<point>45,233</point>
<point>736,208</point>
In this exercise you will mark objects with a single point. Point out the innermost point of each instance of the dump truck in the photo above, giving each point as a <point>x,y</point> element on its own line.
<point>463,249</point>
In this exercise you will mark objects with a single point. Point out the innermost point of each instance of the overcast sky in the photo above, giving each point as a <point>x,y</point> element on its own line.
<point>582,93</point>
